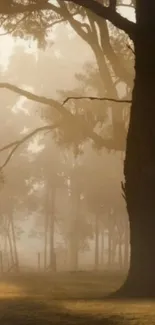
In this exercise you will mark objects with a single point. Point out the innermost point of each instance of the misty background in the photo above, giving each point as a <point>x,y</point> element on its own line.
<point>61,199</point>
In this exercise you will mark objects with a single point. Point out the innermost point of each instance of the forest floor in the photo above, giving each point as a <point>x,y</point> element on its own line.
<point>69,298</point>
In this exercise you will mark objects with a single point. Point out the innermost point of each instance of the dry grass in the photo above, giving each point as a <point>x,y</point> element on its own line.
<point>68,299</point>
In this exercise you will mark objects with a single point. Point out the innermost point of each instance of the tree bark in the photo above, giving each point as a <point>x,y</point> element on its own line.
<point>139,167</point>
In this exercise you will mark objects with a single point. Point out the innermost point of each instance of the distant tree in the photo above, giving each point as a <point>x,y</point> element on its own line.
<point>139,173</point>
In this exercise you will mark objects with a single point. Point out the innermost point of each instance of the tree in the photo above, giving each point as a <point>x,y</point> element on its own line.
<point>139,163</point>
<point>140,151</point>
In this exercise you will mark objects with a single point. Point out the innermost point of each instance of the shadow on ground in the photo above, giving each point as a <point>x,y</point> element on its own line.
<point>61,286</point>
<point>69,299</point>
<point>27,311</point>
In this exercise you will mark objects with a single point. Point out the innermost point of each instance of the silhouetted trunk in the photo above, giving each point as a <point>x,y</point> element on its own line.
<point>1,262</point>
<point>6,245</point>
<point>10,248</point>
<point>16,259</point>
<point>96,242</point>
<point>126,247</point>
<point>46,226</point>
<point>139,166</point>
<point>52,224</point>
<point>120,256</point>
<point>102,249</point>
<point>109,249</point>
<point>74,252</point>
<point>6,226</point>
<point>74,239</point>
<point>114,247</point>
<point>120,230</point>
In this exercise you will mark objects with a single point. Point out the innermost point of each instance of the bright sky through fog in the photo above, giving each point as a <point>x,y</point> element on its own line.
<point>7,42</point>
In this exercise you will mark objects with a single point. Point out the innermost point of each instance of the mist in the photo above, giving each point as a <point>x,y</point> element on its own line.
<point>72,240</point>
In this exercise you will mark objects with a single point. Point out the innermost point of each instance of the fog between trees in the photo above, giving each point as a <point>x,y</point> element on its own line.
<point>65,198</point>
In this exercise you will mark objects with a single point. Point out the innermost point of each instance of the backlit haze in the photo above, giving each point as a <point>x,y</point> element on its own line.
<point>68,54</point>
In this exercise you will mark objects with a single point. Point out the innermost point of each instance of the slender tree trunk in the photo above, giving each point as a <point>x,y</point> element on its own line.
<point>74,252</point>
<point>14,242</point>
<point>126,247</point>
<point>120,257</point>
<point>96,243</point>
<point>46,226</point>
<point>120,231</point>
<point>52,224</point>
<point>74,240</point>
<point>109,249</point>
<point>5,234</point>
<point>11,248</point>
<point>139,166</point>
<point>7,245</point>
<point>102,248</point>
<point>114,246</point>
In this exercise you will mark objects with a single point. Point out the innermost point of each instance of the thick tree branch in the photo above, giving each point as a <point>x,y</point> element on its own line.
<point>65,114</point>
<point>16,144</point>
<point>76,25</point>
<point>105,12</point>
<point>109,14</point>
<point>123,101</point>
<point>36,98</point>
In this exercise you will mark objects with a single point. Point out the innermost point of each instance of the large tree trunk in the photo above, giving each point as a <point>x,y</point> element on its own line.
<point>139,166</point>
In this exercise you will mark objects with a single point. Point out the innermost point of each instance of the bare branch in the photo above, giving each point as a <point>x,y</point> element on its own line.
<point>62,20</point>
<point>69,117</point>
<point>18,143</point>
<point>36,98</point>
<point>55,23</point>
<point>123,101</point>
<point>77,26</point>
<point>8,146</point>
